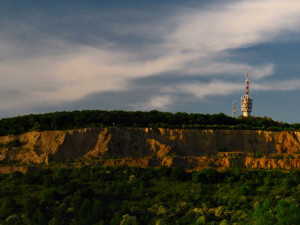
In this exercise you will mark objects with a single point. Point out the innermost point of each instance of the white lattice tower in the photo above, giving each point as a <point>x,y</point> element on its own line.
<point>246,100</point>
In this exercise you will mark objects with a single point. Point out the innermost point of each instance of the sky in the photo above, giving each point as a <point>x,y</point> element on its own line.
<point>176,56</point>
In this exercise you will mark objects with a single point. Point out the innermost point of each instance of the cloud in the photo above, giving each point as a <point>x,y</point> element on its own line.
<point>160,102</point>
<point>225,69</point>
<point>235,24</point>
<point>191,42</point>
<point>286,85</point>
<point>202,90</point>
<point>203,35</point>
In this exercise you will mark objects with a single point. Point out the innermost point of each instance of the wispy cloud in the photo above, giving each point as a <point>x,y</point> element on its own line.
<point>204,89</point>
<point>201,90</point>
<point>160,102</point>
<point>235,24</point>
<point>285,85</point>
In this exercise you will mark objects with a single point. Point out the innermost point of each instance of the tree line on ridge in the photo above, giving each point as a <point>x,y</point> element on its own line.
<point>101,118</point>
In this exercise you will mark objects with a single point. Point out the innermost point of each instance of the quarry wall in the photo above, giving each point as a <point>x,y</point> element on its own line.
<point>191,148</point>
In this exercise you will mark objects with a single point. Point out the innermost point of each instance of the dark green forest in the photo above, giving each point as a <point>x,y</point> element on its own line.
<point>129,195</point>
<point>100,118</point>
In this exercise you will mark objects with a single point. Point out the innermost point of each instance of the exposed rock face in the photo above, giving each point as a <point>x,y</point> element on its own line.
<point>186,147</point>
<point>10,169</point>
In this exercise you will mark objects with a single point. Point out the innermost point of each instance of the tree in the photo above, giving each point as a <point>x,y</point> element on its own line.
<point>129,220</point>
<point>36,127</point>
<point>287,212</point>
<point>263,214</point>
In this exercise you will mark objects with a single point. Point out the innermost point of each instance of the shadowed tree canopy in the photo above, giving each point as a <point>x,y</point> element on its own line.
<point>100,118</point>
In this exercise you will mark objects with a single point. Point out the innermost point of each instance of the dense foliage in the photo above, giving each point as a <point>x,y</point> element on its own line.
<point>127,195</point>
<point>98,118</point>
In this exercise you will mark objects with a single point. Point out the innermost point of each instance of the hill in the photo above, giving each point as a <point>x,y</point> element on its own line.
<point>97,167</point>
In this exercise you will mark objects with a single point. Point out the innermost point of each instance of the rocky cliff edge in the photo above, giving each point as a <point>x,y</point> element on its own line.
<point>190,148</point>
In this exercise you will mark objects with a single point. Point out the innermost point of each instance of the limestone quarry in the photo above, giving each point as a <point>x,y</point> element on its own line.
<point>188,148</point>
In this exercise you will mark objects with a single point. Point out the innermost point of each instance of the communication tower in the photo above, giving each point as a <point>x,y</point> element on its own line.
<point>246,101</point>
<point>234,110</point>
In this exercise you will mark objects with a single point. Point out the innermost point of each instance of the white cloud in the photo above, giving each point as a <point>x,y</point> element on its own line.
<point>202,90</point>
<point>220,88</point>
<point>202,35</point>
<point>236,24</point>
<point>229,69</point>
<point>156,102</point>
<point>286,85</point>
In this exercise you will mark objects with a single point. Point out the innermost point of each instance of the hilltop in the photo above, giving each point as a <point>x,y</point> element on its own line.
<point>149,139</point>
<point>152,119</point>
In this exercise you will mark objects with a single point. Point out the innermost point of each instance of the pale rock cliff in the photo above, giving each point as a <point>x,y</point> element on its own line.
<point>191,148</point>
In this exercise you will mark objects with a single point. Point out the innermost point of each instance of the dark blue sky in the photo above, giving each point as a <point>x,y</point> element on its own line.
<point>189,56</point>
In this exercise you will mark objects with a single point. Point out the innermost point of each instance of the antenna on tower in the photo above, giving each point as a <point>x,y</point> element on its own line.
<point>247,85</point>
<point>234,109</point>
